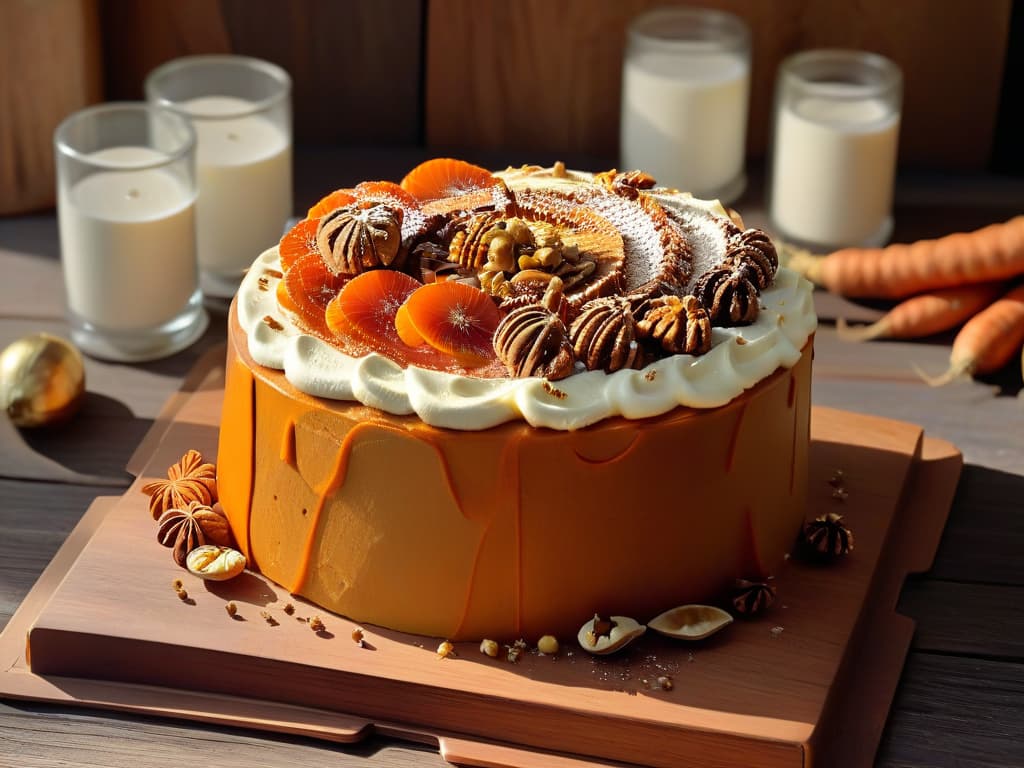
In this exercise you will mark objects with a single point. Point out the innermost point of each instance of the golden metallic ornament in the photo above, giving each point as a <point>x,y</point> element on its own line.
<point>42,380</point>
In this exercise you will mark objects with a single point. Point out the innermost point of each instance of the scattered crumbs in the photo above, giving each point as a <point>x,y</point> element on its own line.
<point>182,594</point>
<point>840,494</point>
<point>263,283</point>
<point>267,617</point>
<point>515,651</point>
<point>316,624</point>
<point>273,273</point>
<point>445,649</point>
<point>665,683</point>
<point>650,375</point>
<point>690,658</point>
<point>272,323</point>
<point>740,340</point>
<point>289,608</point>
<point>554,391</point>
<point>231,608</point>
<point>177,585</point>
<point>836,481</point>
<point>357,636</point>
<point>775,632</point>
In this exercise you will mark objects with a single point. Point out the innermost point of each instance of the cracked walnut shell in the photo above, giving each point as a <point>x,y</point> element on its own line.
<point>194,526</point>
<point>190,480</point>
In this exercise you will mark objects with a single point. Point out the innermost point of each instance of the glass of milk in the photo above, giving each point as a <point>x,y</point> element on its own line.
<point>126,208</point>
<point>833,153</point>
<point>240,108</point>
<point>685,89</point>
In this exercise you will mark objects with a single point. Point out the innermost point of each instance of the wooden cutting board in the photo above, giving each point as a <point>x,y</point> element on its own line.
<point>810,683</point>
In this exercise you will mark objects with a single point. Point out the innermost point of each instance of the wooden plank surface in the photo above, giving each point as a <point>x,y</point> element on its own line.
<point>959,701</point>
<point>536,74</point>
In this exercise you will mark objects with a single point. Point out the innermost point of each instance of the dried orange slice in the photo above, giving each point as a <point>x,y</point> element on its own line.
<point>297,242</point>
<point>336,199</point>
<point>310,286</point>
<point>445,177</point>
<point>456,319</point>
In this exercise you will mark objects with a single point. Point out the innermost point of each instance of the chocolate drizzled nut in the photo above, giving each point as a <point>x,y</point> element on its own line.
<point>753,248</point>
<point>678,325</point>
<point>354,238</point>
<point>533,340</point>
<point>729,294</point>
<point>826,538</point>
<point>750,598</point>
<point>604,336</point>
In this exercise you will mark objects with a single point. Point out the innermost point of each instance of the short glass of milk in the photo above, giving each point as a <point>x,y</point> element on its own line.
<point>834,147</point>
<point>685,90</point>
<point>126,203</point>
<point>240,108</point>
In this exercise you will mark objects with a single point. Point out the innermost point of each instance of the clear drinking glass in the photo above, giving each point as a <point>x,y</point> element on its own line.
<point>685,89</point>
<point>240,108</point>
<point>126,193</point>
<point>833,156</point>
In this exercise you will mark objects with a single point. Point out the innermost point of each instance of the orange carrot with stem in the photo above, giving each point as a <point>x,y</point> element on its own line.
<point>925,314</point>
<point>988,340</point>
<point>995,252</point>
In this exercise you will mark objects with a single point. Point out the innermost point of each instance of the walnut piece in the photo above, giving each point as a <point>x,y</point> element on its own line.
<point>191,479</point>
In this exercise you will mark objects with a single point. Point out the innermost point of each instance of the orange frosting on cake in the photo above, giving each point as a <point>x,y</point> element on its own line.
<point>501,528</point>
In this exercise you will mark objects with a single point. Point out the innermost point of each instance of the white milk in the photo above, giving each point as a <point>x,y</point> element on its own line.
<point>128,243</point>
<point>684,119</point>
<point>833,171</point>
<point>245,188</point>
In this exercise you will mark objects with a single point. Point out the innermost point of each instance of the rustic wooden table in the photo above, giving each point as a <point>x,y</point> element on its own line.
<point>961,698</point>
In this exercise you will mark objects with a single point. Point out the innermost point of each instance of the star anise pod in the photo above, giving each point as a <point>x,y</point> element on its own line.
<point>604,335</point>
<point>826,538</point>
<point>533,340</point>
<point>358,237</point>
<point>191,527</point>
<point>678,325</point>
<point>749,598</point>
<point>730,295</point>
<point>191,479</point>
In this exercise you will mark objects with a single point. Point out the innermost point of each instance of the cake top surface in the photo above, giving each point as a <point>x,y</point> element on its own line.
<point>554,296</point>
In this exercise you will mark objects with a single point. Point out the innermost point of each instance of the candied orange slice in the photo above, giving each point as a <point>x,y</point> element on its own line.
<point>445,177</point>
<point>385,192</point>
<point>406,330</point>
<point>297,242</point>
<point>311,286</point>
<point>456,319</point>
<point>336,199</point>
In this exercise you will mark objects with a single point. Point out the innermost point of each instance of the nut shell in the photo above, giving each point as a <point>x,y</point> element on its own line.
<point>691,622</point>
<point>42,380</point>
<point>215,563</point>
<point>623,631</point>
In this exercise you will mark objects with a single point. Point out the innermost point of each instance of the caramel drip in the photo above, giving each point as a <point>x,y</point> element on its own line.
<point>331,484</point>
<point>618,456</point>
<point>791,397</point>
<point>734,438</point>
<point>288,445</point>
<point>792,449</point>
<point>756,569</point>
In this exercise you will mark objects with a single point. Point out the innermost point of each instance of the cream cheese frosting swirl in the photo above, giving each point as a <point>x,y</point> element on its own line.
<point>739,357</point>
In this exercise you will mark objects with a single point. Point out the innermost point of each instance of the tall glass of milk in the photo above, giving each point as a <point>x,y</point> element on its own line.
<point>126,195</point>
<point>240,108</point>
<point>685,89</point>
<point>833,157</point>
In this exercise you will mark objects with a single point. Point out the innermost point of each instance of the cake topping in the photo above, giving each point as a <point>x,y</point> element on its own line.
<point>533,341</point>
<point>679,326</point>
<point>753,248</point>
<point>729,294</point>
<point>190,527</point>
<point>214,562</point>
<point>189,480</point>
<point>604,336</point>
<point>355,238</point>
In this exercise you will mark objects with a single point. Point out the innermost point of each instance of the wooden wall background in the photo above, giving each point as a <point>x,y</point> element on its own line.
<point>523,75</point>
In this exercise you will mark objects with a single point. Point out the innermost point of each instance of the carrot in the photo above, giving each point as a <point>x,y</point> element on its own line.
<point>995,252</point>
<point>988,340</point>
<point>925,314</point>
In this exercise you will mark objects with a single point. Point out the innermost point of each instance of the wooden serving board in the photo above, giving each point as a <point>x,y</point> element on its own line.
<point>810,683</point>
